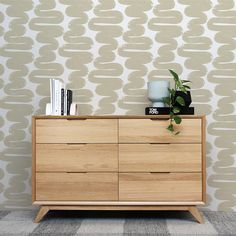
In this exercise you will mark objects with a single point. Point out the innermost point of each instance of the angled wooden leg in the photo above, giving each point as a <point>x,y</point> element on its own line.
<point>196,214</point>
<point>42,212</point>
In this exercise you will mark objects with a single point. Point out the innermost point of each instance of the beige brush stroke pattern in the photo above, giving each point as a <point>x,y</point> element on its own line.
<point>167,25</point>
<point>196,50</point>
<point>1,82</point>
<point>1,21</point>
<point>107,73</point>
<point>224,125</point>
<point>47,23</point>
<point>77,50</point>
<point>1,118</point>
<point>137,51</point>
<point>17,103</point>
<point>97,43</point>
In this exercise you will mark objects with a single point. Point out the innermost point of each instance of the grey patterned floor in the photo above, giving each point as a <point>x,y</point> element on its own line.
<point>116,223</point>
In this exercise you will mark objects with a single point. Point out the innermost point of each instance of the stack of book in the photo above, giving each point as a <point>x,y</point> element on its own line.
<point>61,98</point>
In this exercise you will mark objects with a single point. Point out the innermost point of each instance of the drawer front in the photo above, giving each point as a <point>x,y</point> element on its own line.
<point>160,158</point>
<point>160,187</point>
<point>76,186</point>
<point>77,131</point>
<point>154,131</point>
<point>77,157</point>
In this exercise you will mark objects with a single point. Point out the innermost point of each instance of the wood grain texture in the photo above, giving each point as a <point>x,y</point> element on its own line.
<point>160,187</point>
<point>77,157</point>
<point>157,117</point>
<point>76,186</point>
<point>154,131</point>
<point>196,214</point>
<point>76,131</point>
<point>120,203</point>
<point>204,159</point>
<point>33,170</point>
<point>160,158</point>
<point>140,157</point>
<point>41,213</point>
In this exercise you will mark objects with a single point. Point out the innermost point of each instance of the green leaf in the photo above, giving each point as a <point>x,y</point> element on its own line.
<point>175,75</point>
<point>183,89</point>
<point>172,94</point>
<point>170,128</point>
<point>178,84</point>
<point>176,110</point>
<point>180,100</point>
<point>185,81</point>
<point>187,87</point>
<point>177,120</point>
<point>166,100</point>
<point>177,132</point>
<point>171,91</point>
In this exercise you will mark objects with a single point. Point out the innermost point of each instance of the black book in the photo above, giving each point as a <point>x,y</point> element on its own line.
<point>62,100</point>
<point>166,111</point>
<point>69,101</point>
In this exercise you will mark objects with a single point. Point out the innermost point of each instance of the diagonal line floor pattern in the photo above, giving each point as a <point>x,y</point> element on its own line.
<point>20,223</point>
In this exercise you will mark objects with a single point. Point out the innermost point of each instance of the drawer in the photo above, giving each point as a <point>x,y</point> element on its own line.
<point>154,131</point>
<point>160,158</point>
<point>77,157</point>
<point>160,187</point>
<point>76,131</point>
<point>76,186</point>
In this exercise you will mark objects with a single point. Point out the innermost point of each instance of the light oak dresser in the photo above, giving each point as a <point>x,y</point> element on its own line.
<point>117,163</point>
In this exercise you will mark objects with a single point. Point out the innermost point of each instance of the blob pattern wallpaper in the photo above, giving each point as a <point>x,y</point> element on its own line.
<point>107,51</point>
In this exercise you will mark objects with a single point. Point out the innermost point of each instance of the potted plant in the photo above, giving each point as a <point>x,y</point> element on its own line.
<point>179,97</point>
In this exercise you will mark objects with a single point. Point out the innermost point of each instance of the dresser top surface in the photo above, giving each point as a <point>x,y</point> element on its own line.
<point>116,117</point>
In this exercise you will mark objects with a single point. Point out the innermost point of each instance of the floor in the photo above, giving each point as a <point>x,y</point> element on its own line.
<point>116,223</point>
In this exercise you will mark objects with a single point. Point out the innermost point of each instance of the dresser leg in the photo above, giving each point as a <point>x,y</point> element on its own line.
<point>196,214</point>
<point>42,212</point>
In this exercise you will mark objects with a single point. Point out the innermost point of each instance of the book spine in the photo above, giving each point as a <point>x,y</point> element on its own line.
<point>69,101</point>
<point>166,111</point>
<point>62,100</point>
<point>65,102</point>
<point>51,97</point>
<point>57,97</point>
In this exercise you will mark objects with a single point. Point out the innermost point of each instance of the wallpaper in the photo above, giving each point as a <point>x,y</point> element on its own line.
<point>106,51</point>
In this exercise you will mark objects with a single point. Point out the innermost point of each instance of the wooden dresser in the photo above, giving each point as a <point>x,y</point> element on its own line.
<point>117,163</point>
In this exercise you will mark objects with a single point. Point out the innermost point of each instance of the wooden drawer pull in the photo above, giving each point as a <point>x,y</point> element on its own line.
<point>71,119</point>
<point>164,172</point>
<point>76,172</point>
<point>160,118</point>
<point>76,144</point>
<point>159,143</point>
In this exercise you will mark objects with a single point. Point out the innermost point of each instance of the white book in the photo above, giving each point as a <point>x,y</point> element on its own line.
<point>56,103</point>
<point>59,98</point>
<point>51,97</point>
<point>65,102</point>
<point>56,97</point>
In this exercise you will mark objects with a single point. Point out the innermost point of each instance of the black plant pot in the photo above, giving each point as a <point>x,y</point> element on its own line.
<point>186,96</point>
